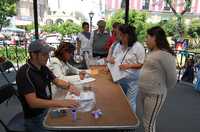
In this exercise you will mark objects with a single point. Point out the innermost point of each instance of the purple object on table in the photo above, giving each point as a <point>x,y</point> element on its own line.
<point>96,113</point>
<point>74,114</point>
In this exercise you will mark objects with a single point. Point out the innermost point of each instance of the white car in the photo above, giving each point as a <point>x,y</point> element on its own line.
<point>53,40</point>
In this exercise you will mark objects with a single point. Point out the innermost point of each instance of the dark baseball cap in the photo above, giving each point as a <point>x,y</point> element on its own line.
<point>39,46</point>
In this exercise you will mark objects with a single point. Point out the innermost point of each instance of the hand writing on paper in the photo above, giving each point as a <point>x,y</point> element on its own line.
<point>74,90</point>
<point>124,66</point>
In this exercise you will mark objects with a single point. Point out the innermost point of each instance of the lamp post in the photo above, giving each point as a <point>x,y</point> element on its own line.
<point>91,14</point>
<point>126,11</point>
<point>35,19</point>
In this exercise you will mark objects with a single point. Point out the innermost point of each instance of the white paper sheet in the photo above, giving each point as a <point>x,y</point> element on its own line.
<point>115,71</point>
<point>76,80</point>
<point>84,96</point>
<point>86,100</point>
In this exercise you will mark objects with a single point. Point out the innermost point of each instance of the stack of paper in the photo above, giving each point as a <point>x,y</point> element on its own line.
<point>86,100</point>
<point>76,79</point>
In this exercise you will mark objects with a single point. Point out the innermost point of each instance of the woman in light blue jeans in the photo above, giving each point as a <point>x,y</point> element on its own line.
<point>131,60</point>
<point>129,85</point>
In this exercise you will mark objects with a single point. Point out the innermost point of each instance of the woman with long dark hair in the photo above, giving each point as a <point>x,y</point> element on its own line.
<point>59,62</point>
<point>130,60</point>
<point>158,74</point>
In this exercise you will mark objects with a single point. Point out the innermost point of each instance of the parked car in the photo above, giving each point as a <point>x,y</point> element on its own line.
<point>53,40</point>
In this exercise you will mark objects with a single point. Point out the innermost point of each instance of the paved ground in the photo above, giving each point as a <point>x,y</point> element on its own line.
<point>181,112</point>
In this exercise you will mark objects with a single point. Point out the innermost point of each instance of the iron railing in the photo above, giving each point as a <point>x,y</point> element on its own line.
<point>181,56</point>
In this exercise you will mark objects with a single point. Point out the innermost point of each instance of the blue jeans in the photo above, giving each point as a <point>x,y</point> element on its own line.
<point>129,85</point>
<point>35,124</point>
<point>132,93</point>
<point>124,84</point>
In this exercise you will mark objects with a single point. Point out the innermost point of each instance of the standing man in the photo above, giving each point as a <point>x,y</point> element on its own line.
<point>84,45</point>
<point>84,40</point>
<point>114,34</point>
<point>99,39</point>
<point>34,87</point>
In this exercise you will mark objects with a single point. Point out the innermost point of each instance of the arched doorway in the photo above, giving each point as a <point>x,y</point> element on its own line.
<point>59,21</point>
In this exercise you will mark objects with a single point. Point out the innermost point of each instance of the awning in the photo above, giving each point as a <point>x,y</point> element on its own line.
<point>22,22</point>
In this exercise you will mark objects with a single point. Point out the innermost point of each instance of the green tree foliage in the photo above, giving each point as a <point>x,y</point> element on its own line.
<point>65,28</point>
<point>136,18</point>
<point>117,17</point>
<point>179,16</point>
<point>194,29</point>
<point>7,9</point>
<point>194,33</point>
<point>169,26</point>
<point>50,28</point>
<point>27,27</point>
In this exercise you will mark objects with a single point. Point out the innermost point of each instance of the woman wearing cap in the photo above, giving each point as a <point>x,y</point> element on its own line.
<point>59,63</point>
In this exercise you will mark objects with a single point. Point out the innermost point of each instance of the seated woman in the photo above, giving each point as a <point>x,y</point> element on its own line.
<point>188,75</point>
<point>59,65</point>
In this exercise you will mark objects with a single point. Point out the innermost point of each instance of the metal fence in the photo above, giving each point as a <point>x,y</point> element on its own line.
<point>18,54</point>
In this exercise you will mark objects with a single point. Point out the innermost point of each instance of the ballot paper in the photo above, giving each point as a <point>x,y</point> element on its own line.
<point>101,62</point>
<point>115,71</point>
<point>86,100</point>
<point>75,79</point>
<point>84,96</point>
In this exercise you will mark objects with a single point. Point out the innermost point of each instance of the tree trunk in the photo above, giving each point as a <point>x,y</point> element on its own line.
<point>1,25</point>
<point>179,16</point>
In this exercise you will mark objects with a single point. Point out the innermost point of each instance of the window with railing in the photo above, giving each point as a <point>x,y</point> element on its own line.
<point>145,4</point>
<point>166,7</point>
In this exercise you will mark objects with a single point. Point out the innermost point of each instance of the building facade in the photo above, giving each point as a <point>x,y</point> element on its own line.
<point>75,10</point>
<point>25,9</point>
<point>154,5</point>
<point>158,9</point>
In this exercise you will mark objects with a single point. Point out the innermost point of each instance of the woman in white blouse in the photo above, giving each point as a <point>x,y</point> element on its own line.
<point>130,61</point>
<point>59,63</point>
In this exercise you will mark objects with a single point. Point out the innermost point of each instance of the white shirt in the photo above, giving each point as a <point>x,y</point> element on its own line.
<point>132,55</point>
<point>61,69</point>
<point>114,50</point>
<point>86,44</point>
<point>135,55</point>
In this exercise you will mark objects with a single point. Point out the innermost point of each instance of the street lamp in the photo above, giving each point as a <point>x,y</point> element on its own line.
<point>91,14</point>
